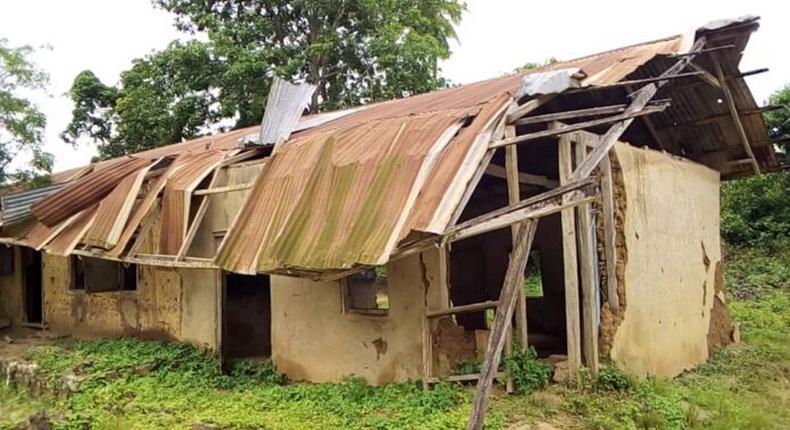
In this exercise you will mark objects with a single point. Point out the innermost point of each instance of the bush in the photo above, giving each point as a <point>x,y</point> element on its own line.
<point>755,211</point>
<point>528,373</point>
<point>613,379</point>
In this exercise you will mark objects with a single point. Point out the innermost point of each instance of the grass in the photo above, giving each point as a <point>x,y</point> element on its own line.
<point>134,384</point>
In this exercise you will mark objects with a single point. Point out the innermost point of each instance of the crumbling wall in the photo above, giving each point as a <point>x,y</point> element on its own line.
<point>313,340</point>
<point>671,232</point>
<point>170,304</point>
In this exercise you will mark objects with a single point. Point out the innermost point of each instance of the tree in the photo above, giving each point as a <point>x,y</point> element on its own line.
<point>355,51</point>
<point>755,211</point>
<point>778,121</point>
<point>164,98</point>
<point>21,122</point>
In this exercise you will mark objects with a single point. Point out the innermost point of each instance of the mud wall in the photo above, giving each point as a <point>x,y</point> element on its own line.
<point>170,304</point>
<point>11,292</point>
<point>313,340</point>
<point>671,231</point>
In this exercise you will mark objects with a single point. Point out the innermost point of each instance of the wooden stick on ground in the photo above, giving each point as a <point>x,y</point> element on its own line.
<point>504,314</point>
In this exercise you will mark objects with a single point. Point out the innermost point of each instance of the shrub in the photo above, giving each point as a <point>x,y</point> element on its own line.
<point>613,379</point>
<point>528,373</point>
<point>755,211</point>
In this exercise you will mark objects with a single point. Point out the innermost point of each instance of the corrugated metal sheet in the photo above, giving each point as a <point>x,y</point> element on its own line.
<point>177,197</point>
<point>86,191</point>
<point>16,206</point>
<point>114,211</point>
<point>316,208</point>
<point>67,240</point>
<point>285,103</point>
<point>335,198</point>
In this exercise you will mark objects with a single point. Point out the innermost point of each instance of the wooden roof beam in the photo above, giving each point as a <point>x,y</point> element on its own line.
<point>728,98</point>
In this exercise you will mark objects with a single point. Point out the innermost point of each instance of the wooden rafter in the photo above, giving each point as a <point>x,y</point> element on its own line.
<point>627,116</point>
<point>736,119</point>
<point>640,100</point>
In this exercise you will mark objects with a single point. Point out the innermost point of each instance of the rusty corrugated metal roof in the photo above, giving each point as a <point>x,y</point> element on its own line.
<point>84,192</point>
<point>329,199</point>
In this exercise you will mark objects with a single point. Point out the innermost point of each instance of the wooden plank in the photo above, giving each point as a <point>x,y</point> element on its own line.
<point>502,319</point>
<point>572,325</point>
<point>706,76</point>
<point>588,261</point>
<point>564,129</point>
<point>514,196</point>
<point>537,211</point>
<point>470,188</point>
<point>578,113</point>
<point>153,213</point>
<point>463,378</point>
<point>472,307</point>
<point>523,178</point>
<point>640,100</point>
<point>225,189</point>
<point>725,89</point>
<point>201,212</point>
<point>609,233</point>
<point>642,81</point>
<point>527,107</point>
<point>427,352</point>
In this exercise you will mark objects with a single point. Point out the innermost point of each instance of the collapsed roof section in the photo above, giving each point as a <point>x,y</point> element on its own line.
<point>349,188</point>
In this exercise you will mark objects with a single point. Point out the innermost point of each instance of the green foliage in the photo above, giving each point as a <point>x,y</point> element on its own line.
<point>165,97</point>
<point>613,379</point>
<point>21,122</point>
<point>755,211</point>
<point>778,121</point>
<point>529,374</point>
<point>354,51</point>
<point>751,272</point>
<point>467,367</point>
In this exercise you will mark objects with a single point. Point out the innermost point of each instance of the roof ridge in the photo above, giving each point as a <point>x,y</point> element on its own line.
<point>609,51</point>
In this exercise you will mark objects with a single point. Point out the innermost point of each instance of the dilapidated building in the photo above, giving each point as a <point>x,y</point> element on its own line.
<point>574,207</point>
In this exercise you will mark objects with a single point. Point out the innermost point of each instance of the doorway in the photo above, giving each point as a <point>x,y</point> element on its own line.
<point>246,316</point>
<point>33,292</point>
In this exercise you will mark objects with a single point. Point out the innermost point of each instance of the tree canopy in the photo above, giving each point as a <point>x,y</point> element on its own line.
<point>354,51</point>
<point>21,122</point>
<point>756,210</point>
<point>778,121</point>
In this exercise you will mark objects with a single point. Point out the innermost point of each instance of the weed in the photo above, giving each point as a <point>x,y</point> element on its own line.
<point>529,374</point>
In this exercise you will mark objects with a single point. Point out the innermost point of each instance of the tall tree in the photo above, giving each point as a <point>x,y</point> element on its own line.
<point>21,122</point>
<point>355,51</point>
<point>165,97</point>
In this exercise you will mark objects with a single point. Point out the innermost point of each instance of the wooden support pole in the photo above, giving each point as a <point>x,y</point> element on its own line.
<point>527,107</point>
<point>504,314</point>
<point>462,309</point>
<point>427,352</point>
<point>609,233</point>
<point>587,265</point>
<point>725,89</point>
<point>514,196</point>
<point>640,100</point>
<point>572,319</point>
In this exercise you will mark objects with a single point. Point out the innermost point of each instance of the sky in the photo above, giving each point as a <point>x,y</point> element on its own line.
<point>494,37</point>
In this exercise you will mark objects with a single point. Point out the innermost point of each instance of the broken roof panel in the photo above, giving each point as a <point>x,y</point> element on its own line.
<point>86,191</point>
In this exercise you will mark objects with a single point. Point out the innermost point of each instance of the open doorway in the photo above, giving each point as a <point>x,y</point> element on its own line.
<point>33,292</point>
<point>247,316</point>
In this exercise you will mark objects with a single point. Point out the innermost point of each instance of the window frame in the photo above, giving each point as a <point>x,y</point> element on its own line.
<point>347,302</point>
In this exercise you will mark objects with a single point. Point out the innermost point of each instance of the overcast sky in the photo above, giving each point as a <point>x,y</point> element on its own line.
<point>495,37</point>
